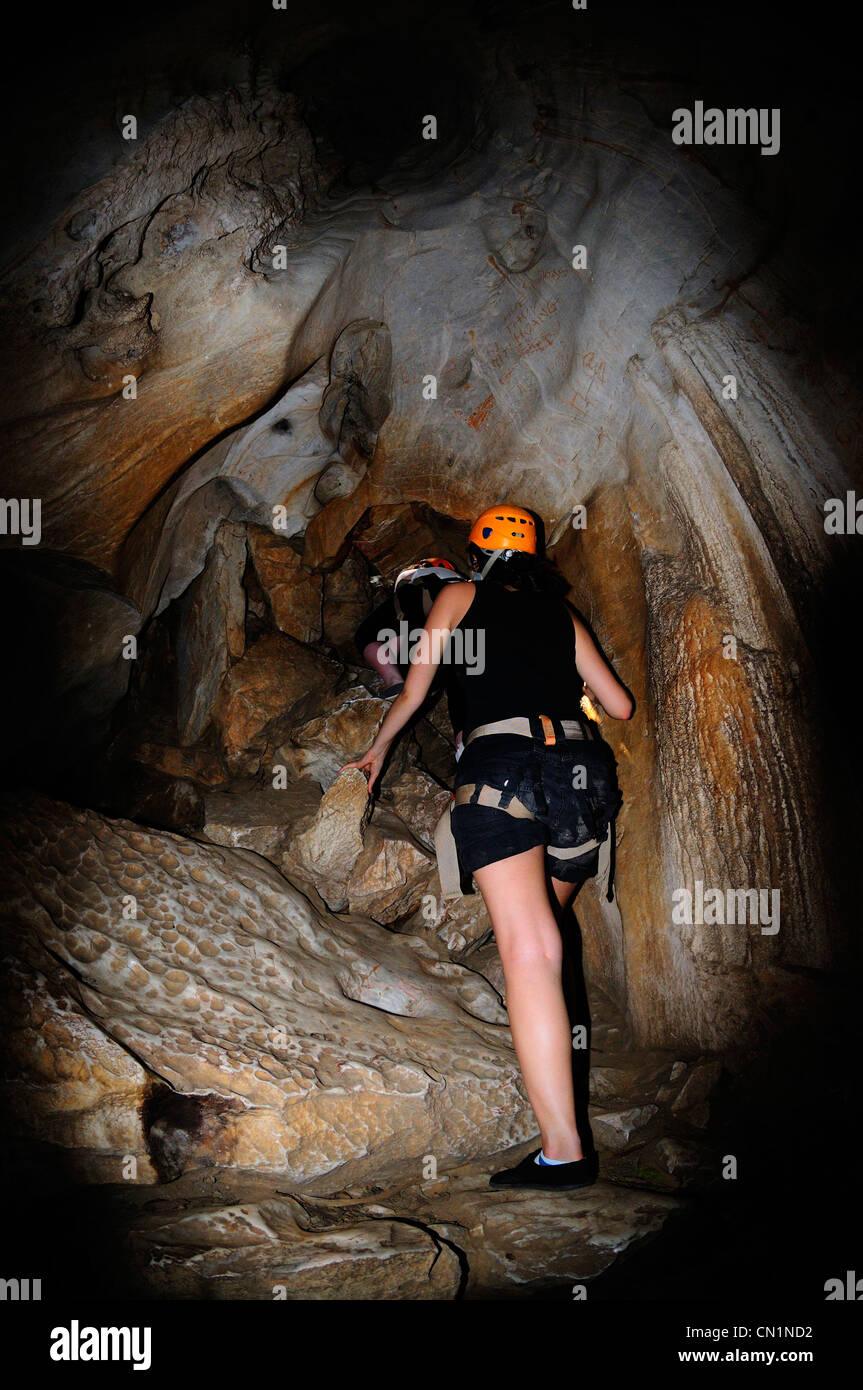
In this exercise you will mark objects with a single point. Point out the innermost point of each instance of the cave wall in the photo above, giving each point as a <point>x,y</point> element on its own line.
<point>302,387</point>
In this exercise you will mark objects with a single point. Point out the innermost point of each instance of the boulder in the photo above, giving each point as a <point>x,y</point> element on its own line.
<point>390,877</point>
<point>394,536</point>
<point>200,765</point>
<point>171,803</point>
<point>294,592</point>
<point>618,1130</point>
<point>273,1249</point>
<point>420,802</point>
<point>305,1046</point>
<point>347,600</point>
<point>69,1083</point>
<point>321,746</point>
<point>211,631</point>
<point>461,924</point>
<point>275,676</point>
<point>328,850</point>
<point>260,818</point>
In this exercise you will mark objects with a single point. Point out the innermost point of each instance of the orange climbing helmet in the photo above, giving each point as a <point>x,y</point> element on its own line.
<point>505,527</point>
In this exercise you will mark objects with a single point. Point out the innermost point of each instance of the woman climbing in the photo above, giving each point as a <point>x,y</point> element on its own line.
<point>384,637</point>
<point>534,796</point>
<point>414,592</point>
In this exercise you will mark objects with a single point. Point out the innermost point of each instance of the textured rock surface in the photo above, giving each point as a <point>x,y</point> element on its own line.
<point>273,678</point>
<point>294,592</point>
<point>212,631</point>
<point>330,847</point>
<point>227,986</point>
<point>420,802</point>
<point>260,818</point>
<point>320,747</point>
<point>390,876</point>
<point>277,1248</point>
<point>554,383</point>
<point>434,1239</point>
<point>69,1082</point>
<point>347,600</point>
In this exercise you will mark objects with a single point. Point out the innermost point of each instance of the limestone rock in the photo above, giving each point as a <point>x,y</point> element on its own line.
<point>321,746</point>
<point>437,1238</point>
<point>434,738</point>
<point>294,592</point>
<point>273,1250</point>
<point>204,262</point>
<point>166,234</point>
<point>679,1159</point>
<point>692,1099</point>
<point>232,990</point>
<point>266,471</point>
<point>347,600</point>
<point>420,801</point>
<point>211,631</point>
<point>532,1240</point>
<point>171,803</point>
<point>355,404</point>
<point>462,924</point>
<point>332,844</point>
<point>274,677</point>
<point>395,536</point>
<point>260,818</point>
<point>617,1130</point>
<point>389,878</point>
<point>68,1081</point>
<point>201,765</point>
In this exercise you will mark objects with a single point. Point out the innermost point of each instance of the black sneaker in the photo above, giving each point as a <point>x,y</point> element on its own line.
<point>553,1177</point>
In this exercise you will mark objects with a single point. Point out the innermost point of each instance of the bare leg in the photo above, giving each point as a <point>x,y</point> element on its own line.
<point>391,674</point>
<point>564,893</point>
<point>531,952</point>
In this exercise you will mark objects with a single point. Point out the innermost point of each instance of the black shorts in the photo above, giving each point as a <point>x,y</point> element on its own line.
<point>570,787</point>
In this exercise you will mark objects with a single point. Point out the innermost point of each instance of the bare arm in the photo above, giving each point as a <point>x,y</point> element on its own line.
<point>446,613</point>
<point>596,672</point>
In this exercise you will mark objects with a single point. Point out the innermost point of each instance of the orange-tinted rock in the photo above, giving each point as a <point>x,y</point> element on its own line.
<point>274,677</point>
<point>319,747</point>
<point>395,536</point>
<point>347,600</point>
<point>195,764</point>
<point>294,592</point>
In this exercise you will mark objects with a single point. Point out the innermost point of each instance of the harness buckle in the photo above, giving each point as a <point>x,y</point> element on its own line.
<point>549,735</point>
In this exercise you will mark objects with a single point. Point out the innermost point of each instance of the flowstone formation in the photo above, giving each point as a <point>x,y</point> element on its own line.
<point>254,366</point>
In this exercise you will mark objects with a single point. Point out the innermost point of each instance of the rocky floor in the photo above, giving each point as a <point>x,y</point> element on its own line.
<point>229,1174</point>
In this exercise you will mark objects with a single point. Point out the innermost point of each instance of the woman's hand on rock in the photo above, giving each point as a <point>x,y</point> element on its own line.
<point>370,763</point>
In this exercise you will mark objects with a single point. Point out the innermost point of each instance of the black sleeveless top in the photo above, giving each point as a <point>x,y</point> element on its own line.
<point>513,653</point>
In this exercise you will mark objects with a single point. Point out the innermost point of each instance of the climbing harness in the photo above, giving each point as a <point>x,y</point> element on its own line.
<point>480,794</point>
